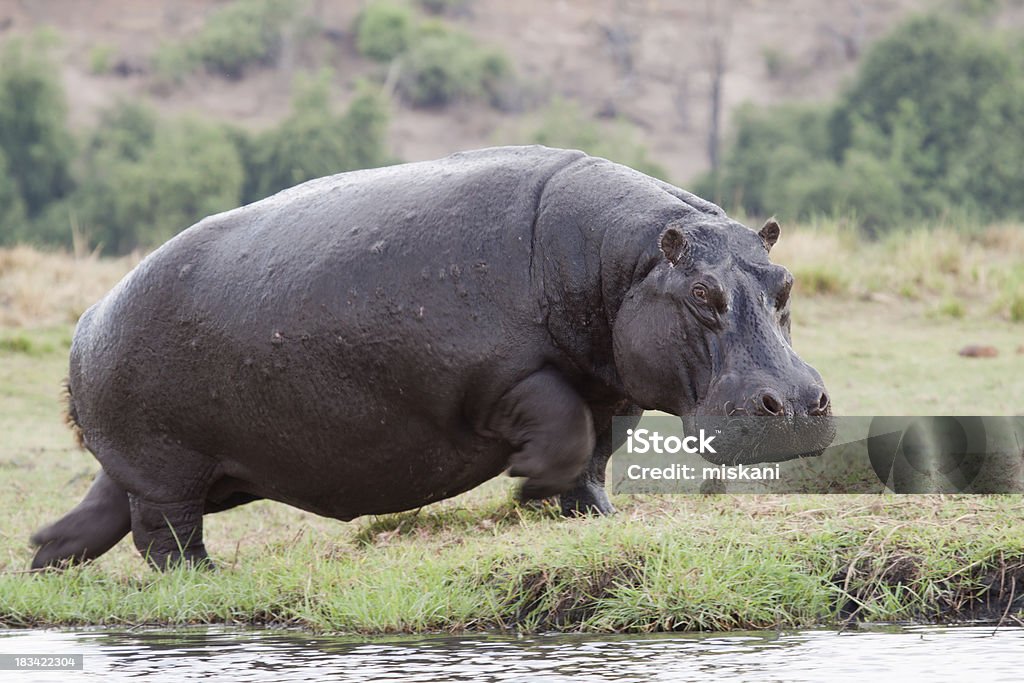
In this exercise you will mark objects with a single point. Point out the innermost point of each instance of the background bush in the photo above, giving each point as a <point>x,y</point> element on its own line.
<point>445,65</point>
<point>438,65</point>
<point>142,182</point>
<point>769,148</point>
<point>929,126</point>
<point>143,179</point>
<point>245,33</point>
<point>314,141</point>
<point>384,30</point>
<point>564,124</point>
<point>12,208</point>
<point>34,138</point>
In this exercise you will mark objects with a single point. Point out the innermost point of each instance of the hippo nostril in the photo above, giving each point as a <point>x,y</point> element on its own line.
<point>821,407</point>
<point>771,404</point>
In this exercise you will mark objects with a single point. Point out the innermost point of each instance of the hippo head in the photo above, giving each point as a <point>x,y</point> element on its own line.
<point>704,333</point>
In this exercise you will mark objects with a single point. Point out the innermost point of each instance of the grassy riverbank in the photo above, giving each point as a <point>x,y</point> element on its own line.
<point>694,563</point>
<point>885,338</point>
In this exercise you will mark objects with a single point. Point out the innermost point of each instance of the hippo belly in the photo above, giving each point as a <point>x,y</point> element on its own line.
<point>420,464</point>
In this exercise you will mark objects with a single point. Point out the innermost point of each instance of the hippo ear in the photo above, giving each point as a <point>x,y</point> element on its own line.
<point>770,233</point>
<point>674,245</point>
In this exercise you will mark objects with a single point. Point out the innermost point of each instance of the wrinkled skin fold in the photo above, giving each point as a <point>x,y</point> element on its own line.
<point>378,340</point>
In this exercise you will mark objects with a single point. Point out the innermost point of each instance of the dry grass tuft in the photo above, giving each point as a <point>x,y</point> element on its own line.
<point>39,288</point>
<point>977,269</point>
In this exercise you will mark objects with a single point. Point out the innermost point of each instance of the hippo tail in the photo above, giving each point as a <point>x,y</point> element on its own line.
<point>71,415</point>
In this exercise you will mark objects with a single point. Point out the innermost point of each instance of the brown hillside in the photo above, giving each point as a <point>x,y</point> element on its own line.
<point>647,61</point>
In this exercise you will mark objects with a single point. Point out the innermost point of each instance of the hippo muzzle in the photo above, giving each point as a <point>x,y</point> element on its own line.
<point>761,417</point>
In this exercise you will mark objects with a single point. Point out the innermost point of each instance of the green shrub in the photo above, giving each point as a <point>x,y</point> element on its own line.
<point>100,57</point>
<point>384,31</point>
<point>171,64</point>
<point>365,128</point>
<point>126,129</point>
<point>190,171</point>
<point>977,8</point>
<point>438,65</point>
<point>143,179</point>
<point>768,147</point>
<point>314,141</point>
<point>987,175</point>
<point>443,66</point>
<point>944,68</point>
<point>564,124</point>
<point>12,209</point>
<point>928,127</point>
<point>34,136</point>
<point>143,182</point>
<point>870,189</point>
<point>243,34</point>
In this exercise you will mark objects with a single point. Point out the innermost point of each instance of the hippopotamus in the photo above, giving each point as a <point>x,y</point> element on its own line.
<point>374,341</point>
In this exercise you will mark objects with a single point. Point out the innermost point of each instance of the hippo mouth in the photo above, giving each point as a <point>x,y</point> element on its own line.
<point>750,440</point>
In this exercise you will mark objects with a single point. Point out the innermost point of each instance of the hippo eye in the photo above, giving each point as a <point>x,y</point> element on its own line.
<point>700,293</point>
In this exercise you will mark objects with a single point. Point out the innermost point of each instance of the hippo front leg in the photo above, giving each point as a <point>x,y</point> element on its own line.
<point>587,495</point>
<point>552,430</point>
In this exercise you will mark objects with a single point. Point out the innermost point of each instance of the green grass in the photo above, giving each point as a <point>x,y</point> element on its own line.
<point>1017,308</point>
<point>817,281</point>
<point>950,307</point>
<point>479,561</point>
<point>893,358</point>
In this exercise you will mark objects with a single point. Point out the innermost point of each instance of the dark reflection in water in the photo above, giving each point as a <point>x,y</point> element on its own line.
<point>225,654</point>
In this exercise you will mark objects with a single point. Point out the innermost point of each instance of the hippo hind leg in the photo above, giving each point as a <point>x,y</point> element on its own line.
<point>169,534</point>
<point>167,512</point>
<point>92,528</point>
<point>587,495</point>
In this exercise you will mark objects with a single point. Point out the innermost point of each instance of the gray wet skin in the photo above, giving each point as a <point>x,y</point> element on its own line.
<point>375,341</point>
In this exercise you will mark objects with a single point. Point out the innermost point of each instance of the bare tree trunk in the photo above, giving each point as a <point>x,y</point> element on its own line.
<point>717,69</point>
<point>620,37</point>
<point>717,25</point>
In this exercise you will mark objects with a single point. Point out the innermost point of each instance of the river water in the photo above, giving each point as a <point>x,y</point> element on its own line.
<point>228,654</point>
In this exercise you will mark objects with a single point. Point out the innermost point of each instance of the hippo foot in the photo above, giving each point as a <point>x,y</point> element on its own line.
<point>190,558</point>
<point>589,499</point>
<point>169,535</point>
